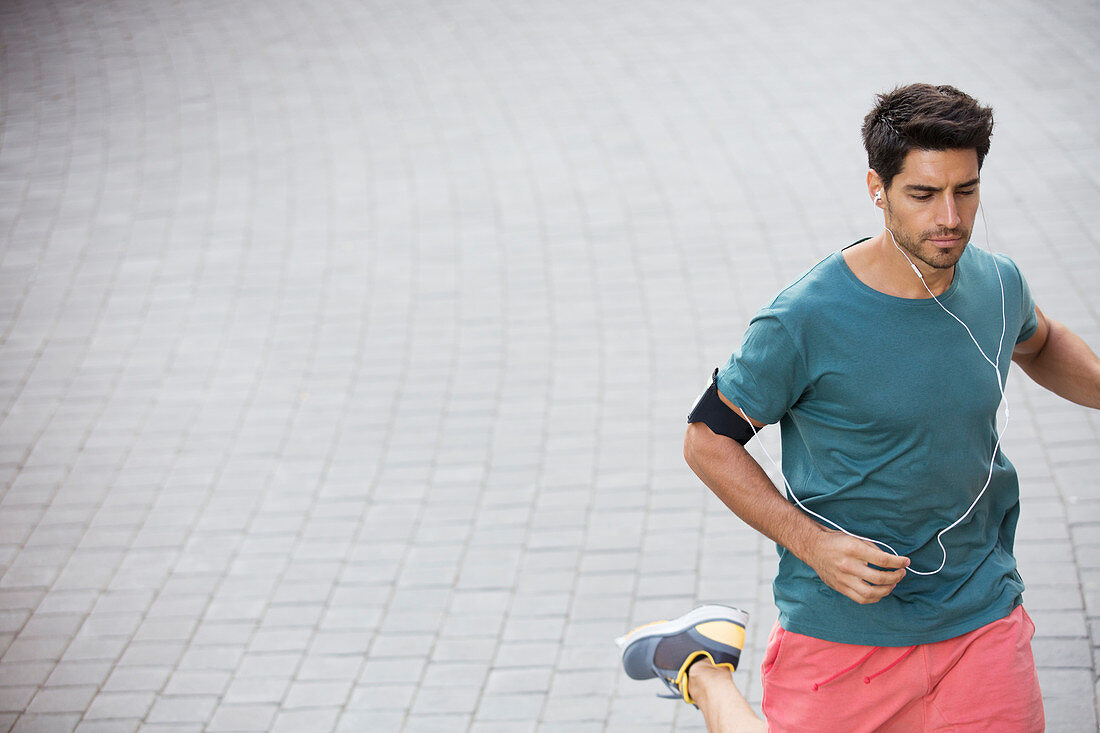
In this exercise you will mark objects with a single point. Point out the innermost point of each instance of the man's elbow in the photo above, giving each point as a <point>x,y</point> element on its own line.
<point>695,441</point>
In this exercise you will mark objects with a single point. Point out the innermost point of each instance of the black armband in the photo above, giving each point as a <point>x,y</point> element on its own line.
<point>715,414</point>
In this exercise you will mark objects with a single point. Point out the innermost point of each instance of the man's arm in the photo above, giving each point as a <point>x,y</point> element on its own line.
<point>841,561</point>
<point>1058,359</point>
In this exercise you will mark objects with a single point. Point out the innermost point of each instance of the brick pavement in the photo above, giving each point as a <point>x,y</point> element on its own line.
<point>345,346</point>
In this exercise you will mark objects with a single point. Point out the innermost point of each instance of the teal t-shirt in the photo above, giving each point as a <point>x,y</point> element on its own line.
<point>887,414</point>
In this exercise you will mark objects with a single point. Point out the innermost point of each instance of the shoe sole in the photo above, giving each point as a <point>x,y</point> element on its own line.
<point>688,620</point>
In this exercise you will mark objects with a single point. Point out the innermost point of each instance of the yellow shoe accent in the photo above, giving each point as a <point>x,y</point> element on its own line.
<point>681,676</point>
<point>723,632</point>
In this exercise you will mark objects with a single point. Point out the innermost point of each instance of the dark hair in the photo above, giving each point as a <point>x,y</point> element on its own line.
<point>923,117</point>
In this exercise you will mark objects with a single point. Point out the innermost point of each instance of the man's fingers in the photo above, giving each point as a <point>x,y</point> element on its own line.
<point>875,575</point>
<point>871,554</point>
<point>886,560</point>
<point>867,584</point>
<point>864,593</point>
<point>879,577</point>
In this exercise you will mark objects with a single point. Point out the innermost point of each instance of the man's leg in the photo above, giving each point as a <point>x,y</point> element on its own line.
<point>986,680</point>
<point>724,708</point>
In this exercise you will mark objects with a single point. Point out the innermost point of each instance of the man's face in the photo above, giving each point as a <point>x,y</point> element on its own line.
<point>931,204</point>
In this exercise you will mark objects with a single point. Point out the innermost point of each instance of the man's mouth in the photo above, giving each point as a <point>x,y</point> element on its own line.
<point>945,242</point>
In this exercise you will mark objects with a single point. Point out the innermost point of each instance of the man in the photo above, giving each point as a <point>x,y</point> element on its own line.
<point>884,364</point>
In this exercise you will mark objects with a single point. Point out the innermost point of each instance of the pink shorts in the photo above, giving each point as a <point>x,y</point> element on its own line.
<point>981,681</point>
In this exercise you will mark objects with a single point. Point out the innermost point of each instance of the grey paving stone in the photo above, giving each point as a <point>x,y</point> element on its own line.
<point>47,723</point>
<point>1060,623</point>
<point>61,699</point>
<point>119,706</point>
<point>1061,652</point>
<point>506,681</point>
<point>253,690</point>
<point>16,674</point>
<point>519,706</point>
<point>589,708</point>
<point>116,725</point>
<point>488,727</point>
<point>317,694</point>
<point>211,658</point>
<point>15,698</point>
<point>152,653</point>
<point>561,727</point>
<point>359,720</point>
<point>190,709</point>
<point>330,667</point>
<point>436,723</point>
<point>349,642</point>
<point>32,649</point>
<point>197,683</point>
<point>452,699</point>
<point>318,720</point>
<point>170,728</point>
<point>242,718</point>
<point>78,673</point>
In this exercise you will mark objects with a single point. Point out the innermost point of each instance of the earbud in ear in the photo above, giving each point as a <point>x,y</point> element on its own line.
<point>878,197</point>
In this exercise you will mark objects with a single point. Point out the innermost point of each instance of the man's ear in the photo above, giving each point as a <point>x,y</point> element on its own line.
<point>875,188</point>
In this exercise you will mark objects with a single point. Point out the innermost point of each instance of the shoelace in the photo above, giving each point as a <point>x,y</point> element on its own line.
<point>677,693</point>
<point>674,692</point>
<point>680,693</point>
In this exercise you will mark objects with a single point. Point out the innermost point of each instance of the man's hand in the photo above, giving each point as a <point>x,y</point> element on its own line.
<point>843,563</point>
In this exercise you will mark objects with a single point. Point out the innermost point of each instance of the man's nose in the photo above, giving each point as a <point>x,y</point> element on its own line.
<point>947,215</point>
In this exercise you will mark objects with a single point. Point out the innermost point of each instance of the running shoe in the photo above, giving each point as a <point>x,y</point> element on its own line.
<point>665,649</point>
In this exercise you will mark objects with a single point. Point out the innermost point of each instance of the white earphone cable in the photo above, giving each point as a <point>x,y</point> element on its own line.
<point>995,363</point>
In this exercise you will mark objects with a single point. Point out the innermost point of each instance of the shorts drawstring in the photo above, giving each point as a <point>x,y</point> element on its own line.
<point>910,650</point>
<point>861,660</point>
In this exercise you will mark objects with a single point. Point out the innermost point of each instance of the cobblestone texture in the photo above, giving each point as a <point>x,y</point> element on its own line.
<point>345,346</point>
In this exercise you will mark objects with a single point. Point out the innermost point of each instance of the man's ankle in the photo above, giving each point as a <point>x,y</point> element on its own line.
<point>701,674</point>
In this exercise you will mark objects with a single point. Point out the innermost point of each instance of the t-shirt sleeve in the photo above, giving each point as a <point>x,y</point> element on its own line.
<point>767,374</point>
<point>1029,321</point>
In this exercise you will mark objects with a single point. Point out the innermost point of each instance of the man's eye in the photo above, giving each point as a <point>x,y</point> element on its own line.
<point>968,192</point>
<point>922,196</point>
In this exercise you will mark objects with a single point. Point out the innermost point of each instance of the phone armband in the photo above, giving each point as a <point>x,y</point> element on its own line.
<point>715,414</point>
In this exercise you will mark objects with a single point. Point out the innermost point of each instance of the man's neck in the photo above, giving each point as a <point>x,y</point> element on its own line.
<point>882,266</point>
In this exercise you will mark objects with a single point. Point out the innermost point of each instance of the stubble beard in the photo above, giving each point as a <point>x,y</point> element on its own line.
<point>932,255</point>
